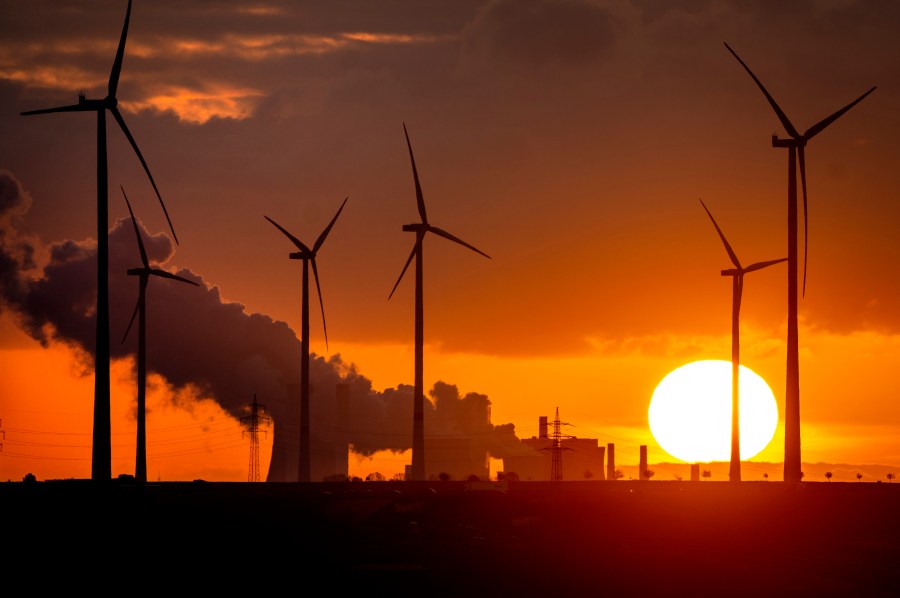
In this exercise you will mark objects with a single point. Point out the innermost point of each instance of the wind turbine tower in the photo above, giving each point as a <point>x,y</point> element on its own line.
<point>309,259</point>
<point>101,458</point>
<point>144,272</point>
<point>737,276</point>
<point>795,144</point>
<point>417,469</point>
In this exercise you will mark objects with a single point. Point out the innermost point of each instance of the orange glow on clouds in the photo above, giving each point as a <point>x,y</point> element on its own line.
<point>48,77</point>
<point>394,38</point>
<point>197,107</point>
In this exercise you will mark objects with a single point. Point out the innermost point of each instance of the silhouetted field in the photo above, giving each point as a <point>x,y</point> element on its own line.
<point>624,538</point>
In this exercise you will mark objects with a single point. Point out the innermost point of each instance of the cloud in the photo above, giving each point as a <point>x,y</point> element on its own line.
<point>542,33</point>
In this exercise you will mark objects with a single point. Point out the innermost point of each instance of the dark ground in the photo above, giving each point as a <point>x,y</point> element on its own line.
<point>623,538</point>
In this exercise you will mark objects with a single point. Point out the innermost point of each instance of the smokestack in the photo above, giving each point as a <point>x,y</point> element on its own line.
<point>542,426</point>
<point>642,472</point>
<point>611,461</point>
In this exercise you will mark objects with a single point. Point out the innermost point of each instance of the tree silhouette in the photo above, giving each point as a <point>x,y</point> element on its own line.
<point>858,477</point>
<point>706,473</point>
<point>588,474</point>
<point>828,475</point>
<point>766,477</point>
<point>376,476</point>
<point>619,474</point>
<point>649,473</point>
<point>891,477</point>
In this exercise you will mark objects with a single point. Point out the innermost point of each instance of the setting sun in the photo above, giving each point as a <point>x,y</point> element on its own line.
<point>690,412</point>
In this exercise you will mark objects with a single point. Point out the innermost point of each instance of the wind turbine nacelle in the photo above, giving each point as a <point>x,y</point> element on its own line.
<point>299,255</point>
<point>777,142</point>
<point>413,228</point>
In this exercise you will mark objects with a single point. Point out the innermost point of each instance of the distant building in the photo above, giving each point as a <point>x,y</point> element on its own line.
<point>582,458</point>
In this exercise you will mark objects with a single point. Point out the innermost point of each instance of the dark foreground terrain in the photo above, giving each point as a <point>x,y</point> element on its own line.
<point>454,539</point>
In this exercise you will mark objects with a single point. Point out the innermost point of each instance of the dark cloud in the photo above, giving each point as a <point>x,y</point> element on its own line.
<point>543,33</point>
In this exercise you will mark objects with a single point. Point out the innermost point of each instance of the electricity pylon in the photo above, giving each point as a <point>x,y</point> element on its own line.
<point>252,421</point>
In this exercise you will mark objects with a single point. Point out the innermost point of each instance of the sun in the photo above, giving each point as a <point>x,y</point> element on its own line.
<point>690,412</point>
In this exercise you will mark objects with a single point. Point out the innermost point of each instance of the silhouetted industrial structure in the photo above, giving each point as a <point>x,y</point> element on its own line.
<point>309,259</point>
<point>557,448</point>
<point>252,421</point>
<point>642,464</point>
<point>140,311</point>
<point>611,462</point>
<point>583,460</point>
<point>329,446</point>
<point>417,470</point>
<point>737,275</point>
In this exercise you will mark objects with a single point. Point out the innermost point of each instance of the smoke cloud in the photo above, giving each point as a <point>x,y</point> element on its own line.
<point>197,340</point>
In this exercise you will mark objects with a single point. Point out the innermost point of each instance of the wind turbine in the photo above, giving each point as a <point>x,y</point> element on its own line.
<point>420,228</point>
<point>145,272</point>
<point>309,258</point>
<point>737,276</point>
<point>102,449</point>
<point>796,144</point>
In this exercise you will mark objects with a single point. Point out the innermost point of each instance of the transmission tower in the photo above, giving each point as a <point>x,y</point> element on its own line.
<point>556,449</point>
<point>252,421</point>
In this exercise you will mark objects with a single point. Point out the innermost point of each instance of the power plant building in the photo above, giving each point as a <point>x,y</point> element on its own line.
<point>582,458</point>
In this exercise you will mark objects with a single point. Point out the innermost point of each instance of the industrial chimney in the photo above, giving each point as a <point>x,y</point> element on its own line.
<point>542,427</point>
<point>642,472</point>
<point>610,461</point>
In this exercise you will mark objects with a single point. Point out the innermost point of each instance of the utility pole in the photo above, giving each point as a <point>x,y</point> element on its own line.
<point>556,449</point>
<point>252,421</point>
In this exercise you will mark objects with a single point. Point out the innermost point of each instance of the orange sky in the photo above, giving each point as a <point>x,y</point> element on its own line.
<point>568,140</point>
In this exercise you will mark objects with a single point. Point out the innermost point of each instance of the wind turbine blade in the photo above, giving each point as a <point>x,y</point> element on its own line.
<point>120,53</point>
<point>761,265</point>
<point>817,128</point>
<point>731,254</point>
<point>325,232</point>
<point>785,122</point>
<point>420,200</point>
<point>802,157</point>
<point>137,306</point>
<point>137,233</point>
<point>124,127</point>
<point>446,235</point>
<point>72,108</point>
<point>416,247</point>
<point>297,242</point>
<point>321,303</point>
<point>164,274</point>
